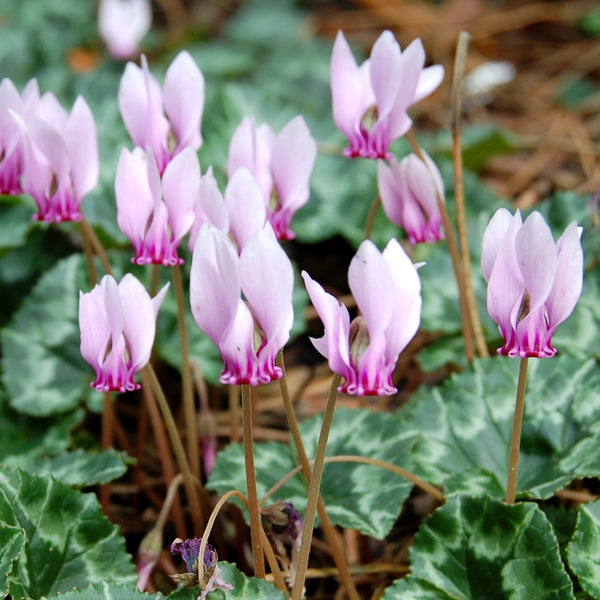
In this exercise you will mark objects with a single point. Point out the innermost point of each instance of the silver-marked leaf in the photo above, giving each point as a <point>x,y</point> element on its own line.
<point>12,540</point>
<point>43,370</point>
<point>27,439</point>
<point>358,496</point>
<point>81,469</point>
<point>69,542</point>
<point>106,590</point>
<point>473,548</point>
<point>466,425</point>
<point>583,551</point>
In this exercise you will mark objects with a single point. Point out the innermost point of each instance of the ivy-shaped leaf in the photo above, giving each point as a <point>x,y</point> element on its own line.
<point>358,496</point>
<point>81,469</point>
<point>465,426</point>
<point>12,540</point>
<point>69,542</point>
<point>473,548</point>
<point>583,551</point>
<point>43,370</point>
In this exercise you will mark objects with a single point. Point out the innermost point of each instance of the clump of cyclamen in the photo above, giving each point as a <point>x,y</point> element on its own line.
<point>533,282</point>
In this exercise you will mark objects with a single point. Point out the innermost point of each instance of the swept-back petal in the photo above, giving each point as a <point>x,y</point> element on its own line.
<point>93,325</point>
<point>569,277</point>
<point>245,205</point>
<point>50,142</point>
<point>180,189</point>
<point>139,320</point>
<point>134,197</point>
<point>335,343</point>
<point>406,316</point>
<point>349,97</point>
<point>493,238</point>
<point>371,285</point>
<point>214,282</point>
<point>267,281</point>
<point>184,100</point>
<point>537,258</point>
<point>209,207</point>
<point>294,154</point>
<point>82,146</point>
<point>386,73</point>
<point>429,80</point>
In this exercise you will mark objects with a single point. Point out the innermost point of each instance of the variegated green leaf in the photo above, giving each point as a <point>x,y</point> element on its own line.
<point>476,547</point>
<point>12,540</point>
<point>583,551</point>
<point>466,424</point>
<point>69,542</point>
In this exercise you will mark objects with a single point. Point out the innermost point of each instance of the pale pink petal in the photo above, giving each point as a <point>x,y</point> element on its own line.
<point>294,154</point>
<point>371,285</point>
<point>209,207</point>
<point>537,258</point>
<point>569,277</point>
<point>180,189</point>
<point>139,320</point>
<point>251,147</point>
<point>50,142</point>
<point>386,73</point>
<point>334,345</point>
<point>183,93</point>
<point>135,203</point>
<point>267,281</point>
<point>245,205</point>
<point>214,283</point>
<point>429,80</point>
<point>93,325</point>
<point>493,239</point>
<point>82,146</point>
<point>350,100</point>
<point>122,24</point>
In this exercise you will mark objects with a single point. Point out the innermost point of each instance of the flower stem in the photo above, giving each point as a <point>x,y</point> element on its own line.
<point>88,232</point>
<point>328,529</point>
<point>190,488</point>
<point>418,482</point>
<point>459,193</point>
<point>255,526</point>
<point>515,439</point>
<point>455,257</point>
<point>313,490</point>
<point>189,409</point>
<point>107,442</point>
<point>164,453</point>
<point>371,216</point>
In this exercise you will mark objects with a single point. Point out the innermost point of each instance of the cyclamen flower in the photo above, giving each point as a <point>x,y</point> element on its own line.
<point>387,290</point>
<point>156,213</point>
<point>370,101</point>
<point>117,324</point>
<point>61,163</point>
<point>409,194</point>
<point>533,282</point>
<point>122,24</point>
<point>167,120</point>
<point>282,165</point>
<point>249,334</point>
<point>11,140</point>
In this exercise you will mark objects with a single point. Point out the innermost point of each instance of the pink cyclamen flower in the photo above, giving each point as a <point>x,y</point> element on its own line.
<point>117,324</point>
<point>122,24</point>
<point>533,282</point>
<point>409,192</point>
<point>153,212</point>
<point>282,165</point>
<point>250,333</point>
<point>61,164</point>
<point>11,140</point>
<point>387,290</point>
<point>168,119</point>
<point>370,101</point>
